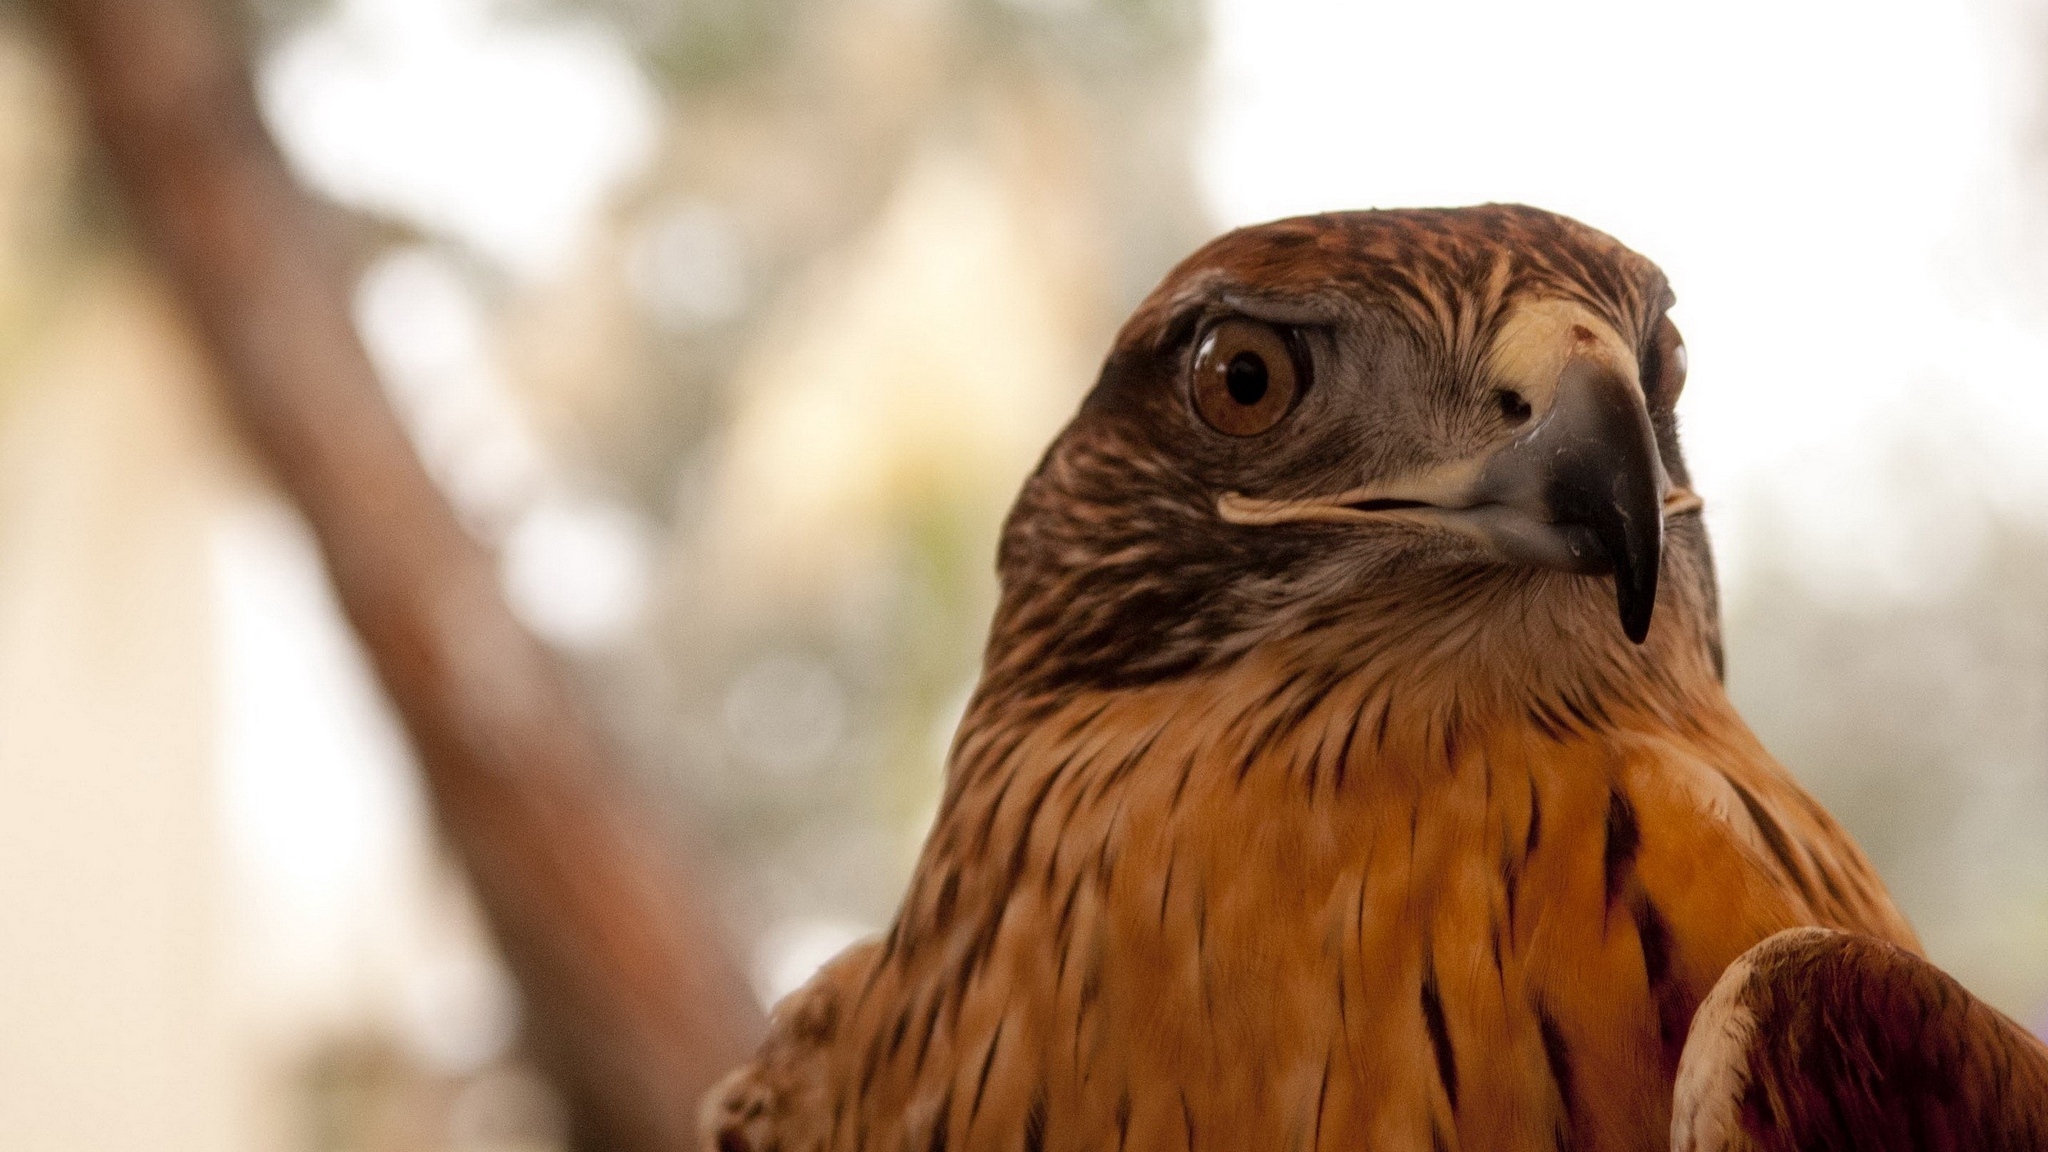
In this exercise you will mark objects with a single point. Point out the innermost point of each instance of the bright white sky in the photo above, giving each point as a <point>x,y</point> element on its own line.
<point>507,134</point>
<point>1830,185</point>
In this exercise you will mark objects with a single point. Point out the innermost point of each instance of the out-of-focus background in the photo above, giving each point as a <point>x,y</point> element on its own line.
<point>732,325</point>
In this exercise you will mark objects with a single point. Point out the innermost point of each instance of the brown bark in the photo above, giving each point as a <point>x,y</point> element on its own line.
<point>632,1002</point>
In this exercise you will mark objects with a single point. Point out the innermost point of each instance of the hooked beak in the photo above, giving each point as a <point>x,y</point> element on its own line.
<point>1582,490</point>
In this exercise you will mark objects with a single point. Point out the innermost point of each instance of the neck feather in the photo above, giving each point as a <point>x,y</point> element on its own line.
<point>1413,671</point>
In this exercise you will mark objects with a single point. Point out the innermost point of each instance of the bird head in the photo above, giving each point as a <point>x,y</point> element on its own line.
<point>1320,419</point>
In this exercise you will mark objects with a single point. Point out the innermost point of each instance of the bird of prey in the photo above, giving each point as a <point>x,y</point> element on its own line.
<point>1350,765</point>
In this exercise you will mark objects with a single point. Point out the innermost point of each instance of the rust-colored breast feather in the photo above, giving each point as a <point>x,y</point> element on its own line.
<point>1174,923</point>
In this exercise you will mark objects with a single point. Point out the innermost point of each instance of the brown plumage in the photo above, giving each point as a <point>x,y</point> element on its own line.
<point>1313,796</point>
<point>1820,1040</point>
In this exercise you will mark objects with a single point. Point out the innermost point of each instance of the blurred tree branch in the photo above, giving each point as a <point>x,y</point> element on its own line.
<point>633,1004</point>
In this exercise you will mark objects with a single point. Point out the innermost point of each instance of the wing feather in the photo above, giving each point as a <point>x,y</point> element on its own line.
<point>781,1100</point>
<point>1817,1039</point>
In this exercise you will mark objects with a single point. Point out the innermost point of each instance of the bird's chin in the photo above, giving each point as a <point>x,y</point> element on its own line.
<point>1499,533</point>
<point>1505,535</point>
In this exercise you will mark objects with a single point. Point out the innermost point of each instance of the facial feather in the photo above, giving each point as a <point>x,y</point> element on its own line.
<point>1115,565</point>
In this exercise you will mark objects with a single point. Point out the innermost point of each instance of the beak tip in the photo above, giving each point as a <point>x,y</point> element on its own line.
<point>1636,599</point>
<point>1636,626</point>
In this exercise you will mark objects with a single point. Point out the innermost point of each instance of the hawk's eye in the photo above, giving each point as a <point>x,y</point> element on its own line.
<point>1664,367</point>
<point>1244,378</point>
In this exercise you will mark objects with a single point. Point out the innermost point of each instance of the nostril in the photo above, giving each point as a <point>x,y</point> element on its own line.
<point>1513,408</point>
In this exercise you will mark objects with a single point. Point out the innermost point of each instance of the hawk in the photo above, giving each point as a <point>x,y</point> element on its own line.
<point>1350,765</point>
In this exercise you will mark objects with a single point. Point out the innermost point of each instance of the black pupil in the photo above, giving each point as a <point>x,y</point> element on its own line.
<point>1246,378</point>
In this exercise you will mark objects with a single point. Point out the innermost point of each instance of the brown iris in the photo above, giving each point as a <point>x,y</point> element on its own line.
<point>1244,377</point>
